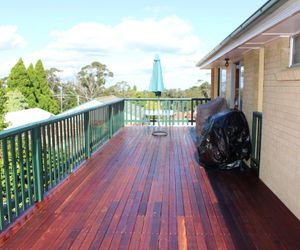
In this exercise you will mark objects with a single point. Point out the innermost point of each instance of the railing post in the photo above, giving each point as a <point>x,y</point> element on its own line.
<point>123,113</point>
<point>37,163</point>
<point>87,133</point>
<point>110,121</point>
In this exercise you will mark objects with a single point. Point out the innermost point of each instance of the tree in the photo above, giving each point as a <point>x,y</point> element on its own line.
<point>15,101</point>
<point>54,80</point>
<point>70,96</point>
<point>64,92</point>
<point>46,98</point>
<point>120,89</point>
<point>91,80</point>
<point>33,100</point>
<point>205,88</point>
<point>2,102</point>
<point>18,79</point>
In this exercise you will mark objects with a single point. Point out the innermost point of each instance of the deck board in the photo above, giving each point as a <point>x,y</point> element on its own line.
<point>141,192</point>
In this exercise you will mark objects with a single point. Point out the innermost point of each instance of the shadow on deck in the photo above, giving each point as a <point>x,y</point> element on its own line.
<point>140,191</point>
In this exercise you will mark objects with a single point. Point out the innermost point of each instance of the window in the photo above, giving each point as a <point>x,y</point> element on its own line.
<point>295,50</point>
<point>222,83</point>
<point>241,87</point>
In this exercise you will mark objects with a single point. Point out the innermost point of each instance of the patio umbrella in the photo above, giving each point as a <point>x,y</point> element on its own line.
<point>157,83</point>
<point>157,86</point>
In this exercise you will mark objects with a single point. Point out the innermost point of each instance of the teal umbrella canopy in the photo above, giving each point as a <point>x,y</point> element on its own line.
<point>157,83</point>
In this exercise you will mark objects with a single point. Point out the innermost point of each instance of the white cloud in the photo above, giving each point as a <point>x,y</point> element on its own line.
<point>128,49</point>
<point>9,38</point>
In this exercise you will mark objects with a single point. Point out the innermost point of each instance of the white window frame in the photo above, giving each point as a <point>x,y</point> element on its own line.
<point>292,53</point>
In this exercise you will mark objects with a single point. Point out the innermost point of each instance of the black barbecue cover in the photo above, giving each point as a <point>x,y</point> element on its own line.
<point>224,141</point>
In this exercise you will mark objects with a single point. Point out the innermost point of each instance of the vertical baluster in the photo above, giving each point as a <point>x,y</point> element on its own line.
<point>59,160</point>
<point>140,112</point>
<point>1,204</point>
<point>22,178</point>
<point>50,160</point>
<point>162,108</point>
<point>178,112</point>
<point>67,123</point>
<point>28,171</point>
<point>135,113</point>
<point>55,162</point>
<point>87,133</point>
<point>169,114</point>
<point>76,127</point>
<point>72,125</point>
<point>97,127</point>
<point>70,144</point>
<point>44,150</point>
<point>259,120</point>
<point>66,169</point>
<point>192,111</point>
<point>15,178</point>
<point>126,110</point>
<point>131,112</point>
<point>7,180</point>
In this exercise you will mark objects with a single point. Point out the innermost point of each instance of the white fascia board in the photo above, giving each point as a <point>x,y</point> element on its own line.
<point>288,9</point>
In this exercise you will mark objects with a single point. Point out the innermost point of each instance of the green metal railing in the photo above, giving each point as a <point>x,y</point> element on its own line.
<point>173,111</point>
<point>256,141</point>
<point>36,157</point>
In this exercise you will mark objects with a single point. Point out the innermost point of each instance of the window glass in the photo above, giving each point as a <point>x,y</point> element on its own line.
<point>241,87</point>
<point>296,49</point>
<point>222,83</point>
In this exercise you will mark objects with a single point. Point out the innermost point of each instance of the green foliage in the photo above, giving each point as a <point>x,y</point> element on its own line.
<point>18,79</point>
<point>45,97</point>
<point>15,101</point>
<point>2,102</point>
<point>64,93</point>
<point>33,100</point>
<point>91,80</point>
<point>54,82</point>
<point>69,96</point>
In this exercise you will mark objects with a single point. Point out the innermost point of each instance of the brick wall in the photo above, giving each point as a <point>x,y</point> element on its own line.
<point>251,62</point>
<point>280,156</point>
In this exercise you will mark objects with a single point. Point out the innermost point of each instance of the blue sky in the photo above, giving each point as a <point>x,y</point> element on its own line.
<point>125,35</point>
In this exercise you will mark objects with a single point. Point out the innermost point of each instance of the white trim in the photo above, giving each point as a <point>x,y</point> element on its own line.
<point>292,45</point>
<point>288,9</point>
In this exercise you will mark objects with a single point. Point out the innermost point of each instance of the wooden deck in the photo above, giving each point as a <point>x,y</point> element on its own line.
<point>142,192</point>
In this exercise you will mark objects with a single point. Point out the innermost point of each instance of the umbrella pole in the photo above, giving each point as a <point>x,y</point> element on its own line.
<point>159,132</point>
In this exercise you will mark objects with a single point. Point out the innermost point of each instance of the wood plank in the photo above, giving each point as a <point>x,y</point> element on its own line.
<point>144,192</point>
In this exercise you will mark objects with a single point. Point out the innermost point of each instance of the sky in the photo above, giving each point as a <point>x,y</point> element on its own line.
<point>124,35</point>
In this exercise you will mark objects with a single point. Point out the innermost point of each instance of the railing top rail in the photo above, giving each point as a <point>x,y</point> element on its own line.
<point>56,118</point>
<point>165,99</point>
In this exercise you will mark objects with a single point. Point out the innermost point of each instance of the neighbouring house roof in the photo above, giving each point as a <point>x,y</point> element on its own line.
<point>86,105</point>
<point>276,18</point>
<point>106,99</point>
<point>22,117</point>
<point>93,103</point>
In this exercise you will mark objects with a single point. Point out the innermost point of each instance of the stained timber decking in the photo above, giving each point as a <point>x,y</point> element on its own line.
<point>141,192</point>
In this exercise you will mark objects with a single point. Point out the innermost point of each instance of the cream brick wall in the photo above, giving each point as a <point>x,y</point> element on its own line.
<point>250,96</point>
<point>280,156</point>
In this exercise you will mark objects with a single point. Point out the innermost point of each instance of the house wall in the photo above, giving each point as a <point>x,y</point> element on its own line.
<point>251,74</point>
<point>280,156</point>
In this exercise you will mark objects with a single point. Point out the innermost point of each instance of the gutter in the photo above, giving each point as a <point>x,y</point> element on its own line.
<point>257,16</point>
